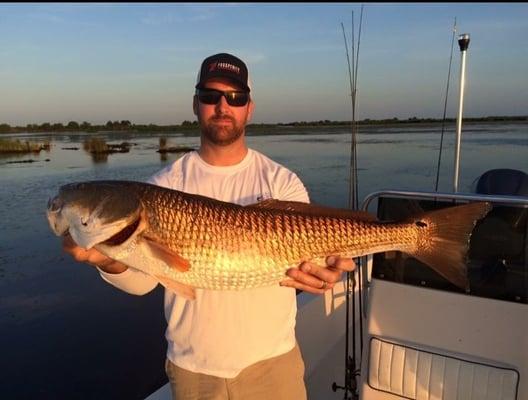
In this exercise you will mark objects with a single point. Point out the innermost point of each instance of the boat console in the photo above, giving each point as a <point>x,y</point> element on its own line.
<point>425,338</point>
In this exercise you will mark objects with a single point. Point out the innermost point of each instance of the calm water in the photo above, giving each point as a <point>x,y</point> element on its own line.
<point>68,334</point>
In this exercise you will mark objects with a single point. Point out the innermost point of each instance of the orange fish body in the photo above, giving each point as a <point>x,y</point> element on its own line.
<point>188,241</point>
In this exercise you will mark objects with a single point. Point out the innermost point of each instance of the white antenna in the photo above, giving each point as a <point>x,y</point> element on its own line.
<point>463,42</point>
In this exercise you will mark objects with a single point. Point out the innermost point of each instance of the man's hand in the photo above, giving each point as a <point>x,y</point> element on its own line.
<point>316,279</point>
<point>92,257</point>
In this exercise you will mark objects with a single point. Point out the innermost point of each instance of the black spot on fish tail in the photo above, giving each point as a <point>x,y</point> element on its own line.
<point>421,224</point>
<point>123,235</point>
<point>444,244</point>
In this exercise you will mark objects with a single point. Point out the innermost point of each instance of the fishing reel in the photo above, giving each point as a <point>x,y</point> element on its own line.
<point>351,387</point>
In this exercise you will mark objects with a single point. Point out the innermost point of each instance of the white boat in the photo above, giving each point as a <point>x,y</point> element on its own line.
<point>417,336</point>
<point>422,337</point>
<point>425,339</point>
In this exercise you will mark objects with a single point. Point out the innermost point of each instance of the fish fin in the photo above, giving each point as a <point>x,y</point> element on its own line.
<point>444,243</point>
<point>179,288</point>
<point>312,209</point>
<point>124,234</point>
<point>172,259</point>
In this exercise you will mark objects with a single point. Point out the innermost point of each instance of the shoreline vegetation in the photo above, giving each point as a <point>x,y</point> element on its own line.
<point>100,149</point>
<point>188,126</point>
<point>19,147</point>
<point>99,146</point>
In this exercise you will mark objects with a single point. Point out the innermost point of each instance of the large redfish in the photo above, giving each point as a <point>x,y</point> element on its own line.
<point>189,241</point>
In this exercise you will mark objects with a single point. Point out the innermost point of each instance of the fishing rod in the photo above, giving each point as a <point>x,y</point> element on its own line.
<point>350,387</point>
<point>463,42</point>
<point>356,205</point>
<point>348,361</point>
<point>354,123</point>
<point>445,109</point>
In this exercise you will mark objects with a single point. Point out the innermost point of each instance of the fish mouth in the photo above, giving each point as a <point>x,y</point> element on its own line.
<point>57,222</point>
<point>55,204</point>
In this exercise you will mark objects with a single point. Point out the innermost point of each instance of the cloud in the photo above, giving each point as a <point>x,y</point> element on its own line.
<point>247,57</point>
<point>165,19</point>
<point>189,14</point>
<point>255,58</point>
<point>318,48</point>
<point>70,17</point>
<point>47,17</point>
<point>184,49</point>
<point>203,14</point>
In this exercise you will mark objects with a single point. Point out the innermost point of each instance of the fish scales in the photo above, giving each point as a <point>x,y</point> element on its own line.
<point>227,246</point>
<point>230,258</point>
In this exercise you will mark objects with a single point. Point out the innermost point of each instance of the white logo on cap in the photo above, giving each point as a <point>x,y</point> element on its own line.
<point>225,66</point>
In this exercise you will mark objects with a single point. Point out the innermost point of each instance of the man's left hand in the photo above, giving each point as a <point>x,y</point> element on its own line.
<point>317,279</point>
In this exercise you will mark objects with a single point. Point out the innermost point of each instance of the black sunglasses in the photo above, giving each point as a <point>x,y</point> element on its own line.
<point>234,98</point>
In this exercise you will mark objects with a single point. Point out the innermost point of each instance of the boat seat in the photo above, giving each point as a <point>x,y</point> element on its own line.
<point>499,242</point>
<point>417,374</point>
<point>505,182</point>
<point>502,181</point>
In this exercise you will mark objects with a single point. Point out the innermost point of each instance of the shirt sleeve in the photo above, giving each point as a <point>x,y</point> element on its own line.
<point>292,189</point>
<point>131,281</point>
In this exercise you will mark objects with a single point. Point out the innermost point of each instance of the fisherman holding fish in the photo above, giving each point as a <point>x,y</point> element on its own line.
<point>228,344</point>
<point>220,228</point>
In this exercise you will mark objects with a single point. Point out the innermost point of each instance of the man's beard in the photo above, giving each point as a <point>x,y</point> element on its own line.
<point>221,135</point>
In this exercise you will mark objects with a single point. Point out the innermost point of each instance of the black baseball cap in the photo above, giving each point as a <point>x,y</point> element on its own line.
<point>223,65</point>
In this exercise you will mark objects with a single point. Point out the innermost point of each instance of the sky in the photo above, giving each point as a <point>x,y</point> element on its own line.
<point>96,62</point>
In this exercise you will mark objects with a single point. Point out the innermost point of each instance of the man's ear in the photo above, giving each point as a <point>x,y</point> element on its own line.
<point>195,105</point>
<point>251,107</point>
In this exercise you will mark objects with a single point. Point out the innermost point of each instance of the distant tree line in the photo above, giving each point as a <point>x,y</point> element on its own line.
<point>394,120</point>
<point>74,126</point>
<point>126,125</point>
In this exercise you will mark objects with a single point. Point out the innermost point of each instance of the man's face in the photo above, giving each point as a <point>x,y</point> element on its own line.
<point>220,123</point>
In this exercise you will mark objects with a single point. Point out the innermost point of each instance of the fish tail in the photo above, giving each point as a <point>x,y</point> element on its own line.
<point>443,239</point>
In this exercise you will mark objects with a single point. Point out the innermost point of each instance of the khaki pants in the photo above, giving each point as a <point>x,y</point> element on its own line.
<point>277,378</point>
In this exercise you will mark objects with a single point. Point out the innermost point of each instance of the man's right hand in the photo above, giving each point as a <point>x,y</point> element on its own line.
<point>92,257</point>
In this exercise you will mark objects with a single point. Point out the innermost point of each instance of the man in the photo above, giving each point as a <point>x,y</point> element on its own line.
<point>229,344</point>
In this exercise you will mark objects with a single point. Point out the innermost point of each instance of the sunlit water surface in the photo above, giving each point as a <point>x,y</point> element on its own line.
<point>68,334</point>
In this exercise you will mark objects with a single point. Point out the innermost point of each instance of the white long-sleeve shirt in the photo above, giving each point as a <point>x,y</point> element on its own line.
<point>222,332</point>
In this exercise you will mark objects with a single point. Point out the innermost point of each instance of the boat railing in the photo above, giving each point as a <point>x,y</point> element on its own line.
<point>495,199</point>
<point>519,202</point>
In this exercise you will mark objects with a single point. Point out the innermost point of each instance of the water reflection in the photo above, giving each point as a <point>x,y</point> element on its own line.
<point>10,158</point>
<point>99,157</point>
<point>59,318</point>
<point>164,149</point>
<point>162,146</point>
<point>99,149</point>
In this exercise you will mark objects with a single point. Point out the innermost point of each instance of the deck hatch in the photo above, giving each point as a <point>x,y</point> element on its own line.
<point>416,374</point>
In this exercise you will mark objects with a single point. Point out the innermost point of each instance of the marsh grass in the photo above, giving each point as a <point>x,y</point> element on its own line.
<point>162,143</point>
<point>95,145</point>
<point>163,148</point>
<point>17,146</point>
